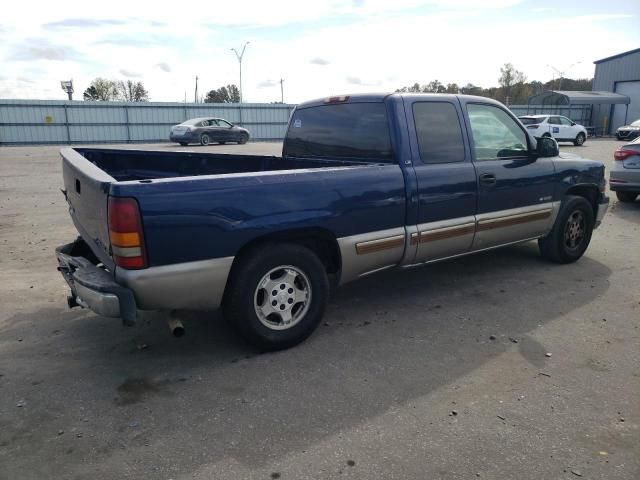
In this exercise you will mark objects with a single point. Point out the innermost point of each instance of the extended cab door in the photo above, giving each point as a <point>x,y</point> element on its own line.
<point>515,189</point>
<point>446,178</point>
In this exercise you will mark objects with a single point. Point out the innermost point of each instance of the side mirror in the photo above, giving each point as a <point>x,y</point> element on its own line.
<point>547,147</point>
<point>573,124</point>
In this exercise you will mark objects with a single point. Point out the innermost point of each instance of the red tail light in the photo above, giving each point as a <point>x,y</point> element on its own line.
<point>533,126</point>
<point>621,154</point>
<point>125,232</point>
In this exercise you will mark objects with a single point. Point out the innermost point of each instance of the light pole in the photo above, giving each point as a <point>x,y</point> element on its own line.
<point>67,86</point>
<point>561,73</point>
<point>239,57</point>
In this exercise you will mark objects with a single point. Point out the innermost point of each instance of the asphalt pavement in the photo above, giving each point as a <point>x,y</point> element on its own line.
<point>494,366</point>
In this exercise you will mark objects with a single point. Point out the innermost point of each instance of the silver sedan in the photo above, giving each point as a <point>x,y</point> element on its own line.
<point>624,178</point>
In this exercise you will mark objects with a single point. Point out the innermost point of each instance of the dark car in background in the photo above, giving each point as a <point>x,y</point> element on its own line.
<point>207,130</point>
<point>629,132</point>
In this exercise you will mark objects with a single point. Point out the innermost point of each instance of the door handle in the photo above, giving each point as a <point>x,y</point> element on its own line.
<point>488,179</point>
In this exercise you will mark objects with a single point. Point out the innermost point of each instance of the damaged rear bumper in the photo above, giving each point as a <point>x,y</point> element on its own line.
<point>94,287</point>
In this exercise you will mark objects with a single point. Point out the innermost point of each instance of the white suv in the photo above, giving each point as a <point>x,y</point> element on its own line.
<point>556,126</point>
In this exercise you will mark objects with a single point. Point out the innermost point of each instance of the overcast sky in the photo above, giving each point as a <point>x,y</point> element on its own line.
<point>320,47</point>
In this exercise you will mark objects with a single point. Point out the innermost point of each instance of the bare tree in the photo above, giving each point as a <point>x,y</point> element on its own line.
<point>131,91</point>
<point>509,77</point>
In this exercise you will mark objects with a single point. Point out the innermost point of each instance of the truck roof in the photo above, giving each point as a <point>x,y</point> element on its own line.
<point>381,97</point>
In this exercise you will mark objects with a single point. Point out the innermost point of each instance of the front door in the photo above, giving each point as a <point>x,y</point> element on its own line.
<point>446,179</point>
<point>515,190</point>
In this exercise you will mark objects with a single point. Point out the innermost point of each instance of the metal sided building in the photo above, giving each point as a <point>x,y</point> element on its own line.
<point>620,74</point>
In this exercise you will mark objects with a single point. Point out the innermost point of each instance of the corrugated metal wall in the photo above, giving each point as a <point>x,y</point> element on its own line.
<point>608,75</point>
<point>53,121</point>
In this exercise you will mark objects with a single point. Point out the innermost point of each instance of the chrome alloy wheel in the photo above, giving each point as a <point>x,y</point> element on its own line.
<point>574,231</point>
<point>282,297</point>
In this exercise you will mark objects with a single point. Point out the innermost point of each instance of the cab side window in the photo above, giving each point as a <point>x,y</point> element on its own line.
<point>438,131</point>
<point>554,120</point>
<point>565,121</point>
<point>495,134</point>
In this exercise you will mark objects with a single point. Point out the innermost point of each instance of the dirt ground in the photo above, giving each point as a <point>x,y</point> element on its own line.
<point>437,372</point>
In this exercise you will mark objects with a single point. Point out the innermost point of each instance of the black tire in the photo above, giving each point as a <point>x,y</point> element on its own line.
<point>244,298</point>
<point>546,135</point>
<point>627,197</point>
<point>184,144</point>
<point>204,139</point>
<point>579,140</point>
<point>568,241</point>
<point>244,138</point>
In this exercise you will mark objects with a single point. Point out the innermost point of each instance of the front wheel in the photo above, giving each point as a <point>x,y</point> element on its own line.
<point>243,139</point>
<point>571,233</point>
<point>276,296</point>
<point>627,197</point>
<point>580,138</point>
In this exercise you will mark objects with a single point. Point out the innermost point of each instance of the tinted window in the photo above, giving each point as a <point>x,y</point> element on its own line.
<point>530,120</point>
<point>495,133</point>
<point>438,132</point>
<point>351,130</point>
<point>554,120</point>
<point>223,123</point>
<point>565,121</point>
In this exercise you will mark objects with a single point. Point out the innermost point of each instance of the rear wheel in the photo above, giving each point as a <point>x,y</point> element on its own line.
<point>546,135</point>
<point>580,138</point>
<point>571,232</point>
<point>277,295</point>
<point>627,197</point>
<point>204,139</point>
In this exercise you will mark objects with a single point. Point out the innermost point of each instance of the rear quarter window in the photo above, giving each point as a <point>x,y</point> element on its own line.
<point>350,130</point>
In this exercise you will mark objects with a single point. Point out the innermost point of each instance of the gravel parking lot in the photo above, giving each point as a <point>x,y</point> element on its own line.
<point>436,372</point>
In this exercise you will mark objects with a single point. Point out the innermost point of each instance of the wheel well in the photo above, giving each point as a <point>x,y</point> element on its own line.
<point>322,242</point>
<point>590,193</point>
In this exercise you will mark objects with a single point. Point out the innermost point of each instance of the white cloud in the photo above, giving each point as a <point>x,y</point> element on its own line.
<point>372,45</point>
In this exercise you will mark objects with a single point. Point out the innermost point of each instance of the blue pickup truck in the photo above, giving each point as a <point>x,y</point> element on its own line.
<point>364,183</point>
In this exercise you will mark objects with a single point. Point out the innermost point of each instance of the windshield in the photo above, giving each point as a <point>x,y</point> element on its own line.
<point>530,120</point>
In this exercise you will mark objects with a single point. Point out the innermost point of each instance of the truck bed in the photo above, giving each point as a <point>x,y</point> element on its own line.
<point>127,165</point>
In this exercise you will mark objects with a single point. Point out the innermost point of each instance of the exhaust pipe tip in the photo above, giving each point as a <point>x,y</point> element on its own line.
<point>176,327</point>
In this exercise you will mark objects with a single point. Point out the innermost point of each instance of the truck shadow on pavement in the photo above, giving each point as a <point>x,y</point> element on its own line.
<point>385,341</point>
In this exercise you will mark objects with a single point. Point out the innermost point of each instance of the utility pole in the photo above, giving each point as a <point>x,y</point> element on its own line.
<point>239,57</point>
<point>281,90</point>
<point>195,95</point>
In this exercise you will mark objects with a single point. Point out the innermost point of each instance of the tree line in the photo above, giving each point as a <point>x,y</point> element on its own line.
<point>106,90</point>
<point>513,87</point>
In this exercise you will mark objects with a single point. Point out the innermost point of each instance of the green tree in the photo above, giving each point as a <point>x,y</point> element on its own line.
<point>131,91</point>
<point>228,94</point>
<point>453,88</point>
<point>434,86</point>
<point>102,90</point>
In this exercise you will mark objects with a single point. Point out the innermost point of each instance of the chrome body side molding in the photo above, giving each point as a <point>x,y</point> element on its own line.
<point>192,285</point>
